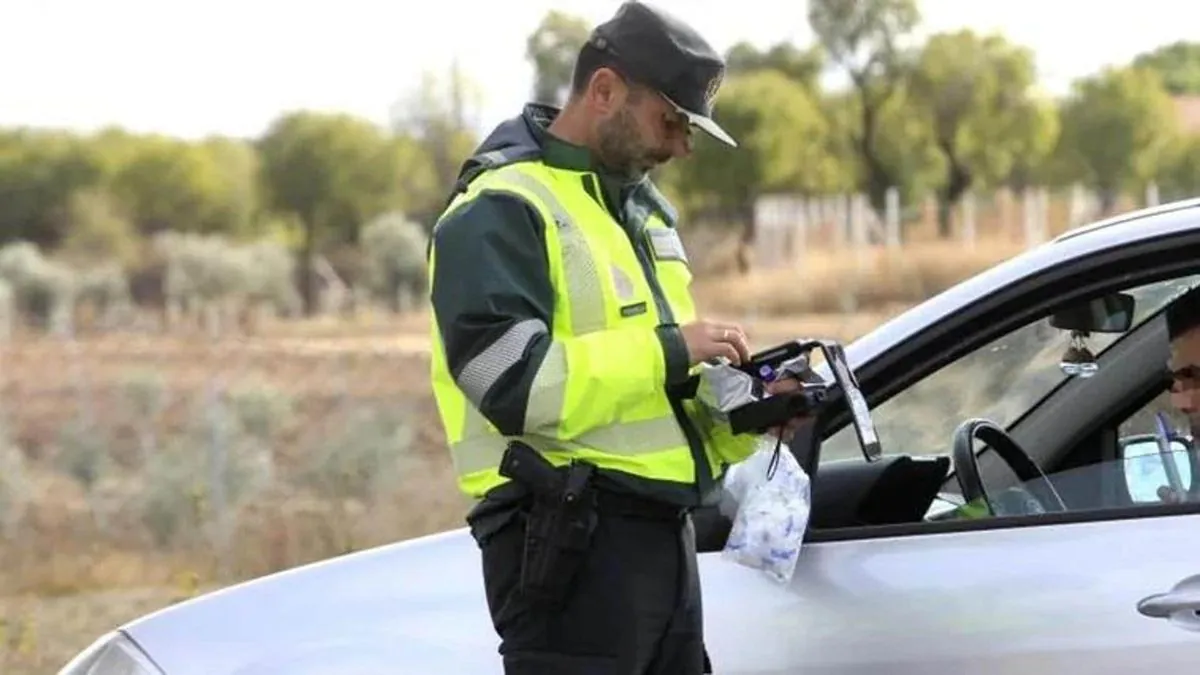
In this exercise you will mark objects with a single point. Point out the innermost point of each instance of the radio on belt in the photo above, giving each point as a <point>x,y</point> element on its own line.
<point>775,410</point>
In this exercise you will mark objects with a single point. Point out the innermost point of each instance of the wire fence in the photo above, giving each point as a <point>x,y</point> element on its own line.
<point>790,226</point>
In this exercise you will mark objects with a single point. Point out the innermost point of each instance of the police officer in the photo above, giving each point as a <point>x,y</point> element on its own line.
<point>564,325</point>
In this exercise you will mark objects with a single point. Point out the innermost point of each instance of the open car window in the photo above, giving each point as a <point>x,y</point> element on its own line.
<point>1001,381</point>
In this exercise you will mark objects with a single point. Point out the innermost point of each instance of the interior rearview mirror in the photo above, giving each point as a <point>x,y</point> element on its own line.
<point>1147,468</point>
<point>1108,314</point>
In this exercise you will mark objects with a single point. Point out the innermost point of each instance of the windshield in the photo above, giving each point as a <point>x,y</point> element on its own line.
<point>999,381</point>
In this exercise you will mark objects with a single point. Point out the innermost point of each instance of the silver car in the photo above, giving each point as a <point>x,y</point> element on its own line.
<point>1014,523</point>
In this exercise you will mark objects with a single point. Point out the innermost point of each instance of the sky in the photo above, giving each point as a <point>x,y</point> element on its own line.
<point>191,68</point>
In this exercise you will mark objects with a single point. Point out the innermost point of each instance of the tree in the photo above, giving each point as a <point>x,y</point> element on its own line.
<point>802,66</point>
<point>238,169</point>
<point>166,183</point>
<point>99,231</point>
<point>39,171</point>
<point>781,134</point>
<point>438,115</point>
<point>552,49</point>
<point>974,91</point>
<point>419,190</point>
<point>1179,175</point>
<point>1178,64</point>
<point>332,172</point>
<point>862,37</point>
<point>1032,152</point>
<point>1117,125</point>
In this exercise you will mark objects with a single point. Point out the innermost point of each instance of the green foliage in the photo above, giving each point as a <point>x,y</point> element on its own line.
<point>903,153</point>
<point>975,93</point>
<point>439,116</point>
<point>100,229</point>
<point>165,183</point>
<point>363,457</point>
<point>332,171</point>
<point>1117,127</point>
<point>864,38</point>
<point>552,48</point>
<point>261,410</point>
<point>44,289</point>
<point>1177,63</point>
<point>83,453</point>
<point>802,66</point>
<point>39,170</point>
<point>781,134</point>
<point>212,268</point>
<point>1179,176</point>
<point>394,247</point>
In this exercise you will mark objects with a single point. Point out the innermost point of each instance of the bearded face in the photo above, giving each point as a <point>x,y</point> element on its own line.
<point>626,145</point>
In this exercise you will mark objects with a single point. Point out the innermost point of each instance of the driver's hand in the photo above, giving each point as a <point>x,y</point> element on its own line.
<point>1168,496</point>
<point>783,386</point>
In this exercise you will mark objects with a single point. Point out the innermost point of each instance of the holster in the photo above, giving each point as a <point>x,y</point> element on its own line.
<point>560,525</point>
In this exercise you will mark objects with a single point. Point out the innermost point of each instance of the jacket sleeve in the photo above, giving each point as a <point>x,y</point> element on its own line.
<point>493,302</point>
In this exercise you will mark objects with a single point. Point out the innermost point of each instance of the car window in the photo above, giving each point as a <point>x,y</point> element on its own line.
<point>1000,380</point>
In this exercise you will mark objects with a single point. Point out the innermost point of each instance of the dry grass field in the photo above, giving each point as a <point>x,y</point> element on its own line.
<point>138,470</point>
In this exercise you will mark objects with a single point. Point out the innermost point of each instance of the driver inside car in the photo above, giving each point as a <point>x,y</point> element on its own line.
<point>1183,330</point>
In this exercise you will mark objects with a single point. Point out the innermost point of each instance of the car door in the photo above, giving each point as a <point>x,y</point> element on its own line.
<point>1102,590</point>
<point>1054,598</point>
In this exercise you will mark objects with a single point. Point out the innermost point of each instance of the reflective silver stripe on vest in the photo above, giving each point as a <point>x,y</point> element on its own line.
<point>583,280</point>
<point>481,452</point>
<point>481,373</point>
<point>548,392</point>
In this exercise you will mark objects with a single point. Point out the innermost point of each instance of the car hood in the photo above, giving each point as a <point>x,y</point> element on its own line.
<point>414,606</point>
<point>407,604</point>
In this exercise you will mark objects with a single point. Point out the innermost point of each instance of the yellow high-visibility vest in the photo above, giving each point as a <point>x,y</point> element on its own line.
<point>600,394</point>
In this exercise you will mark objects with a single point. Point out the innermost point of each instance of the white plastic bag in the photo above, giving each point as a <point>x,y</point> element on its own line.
<point>770,499</point>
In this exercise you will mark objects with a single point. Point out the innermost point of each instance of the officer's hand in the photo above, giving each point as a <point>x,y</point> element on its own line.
<point>784,386</point>
<point>711,339</point>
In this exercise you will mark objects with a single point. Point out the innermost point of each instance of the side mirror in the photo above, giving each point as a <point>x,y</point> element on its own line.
<point>1147,468</point>
<point>1108,314</point>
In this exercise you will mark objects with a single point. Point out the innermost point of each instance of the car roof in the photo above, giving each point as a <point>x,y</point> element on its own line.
<point>1134,226</point>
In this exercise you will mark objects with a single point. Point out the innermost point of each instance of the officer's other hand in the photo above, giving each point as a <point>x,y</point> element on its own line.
<point>711,339</point>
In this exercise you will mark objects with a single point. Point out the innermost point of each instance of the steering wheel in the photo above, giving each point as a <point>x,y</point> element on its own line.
<point>1041,495</point>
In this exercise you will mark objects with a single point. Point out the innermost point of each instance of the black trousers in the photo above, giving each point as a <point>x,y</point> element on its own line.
<point>634,608</point>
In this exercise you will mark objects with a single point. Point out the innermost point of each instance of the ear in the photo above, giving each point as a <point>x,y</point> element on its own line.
<point>606,91</point>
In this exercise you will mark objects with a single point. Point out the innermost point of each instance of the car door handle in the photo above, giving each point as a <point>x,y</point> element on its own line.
<point>1163,605</point>
<point>1180,605</point>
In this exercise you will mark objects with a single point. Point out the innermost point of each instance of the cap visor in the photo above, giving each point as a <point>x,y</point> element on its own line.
<point>710,127</point>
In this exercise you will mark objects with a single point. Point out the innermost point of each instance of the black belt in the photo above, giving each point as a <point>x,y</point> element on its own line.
<point>613,503</point>
<point>608,502</point>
